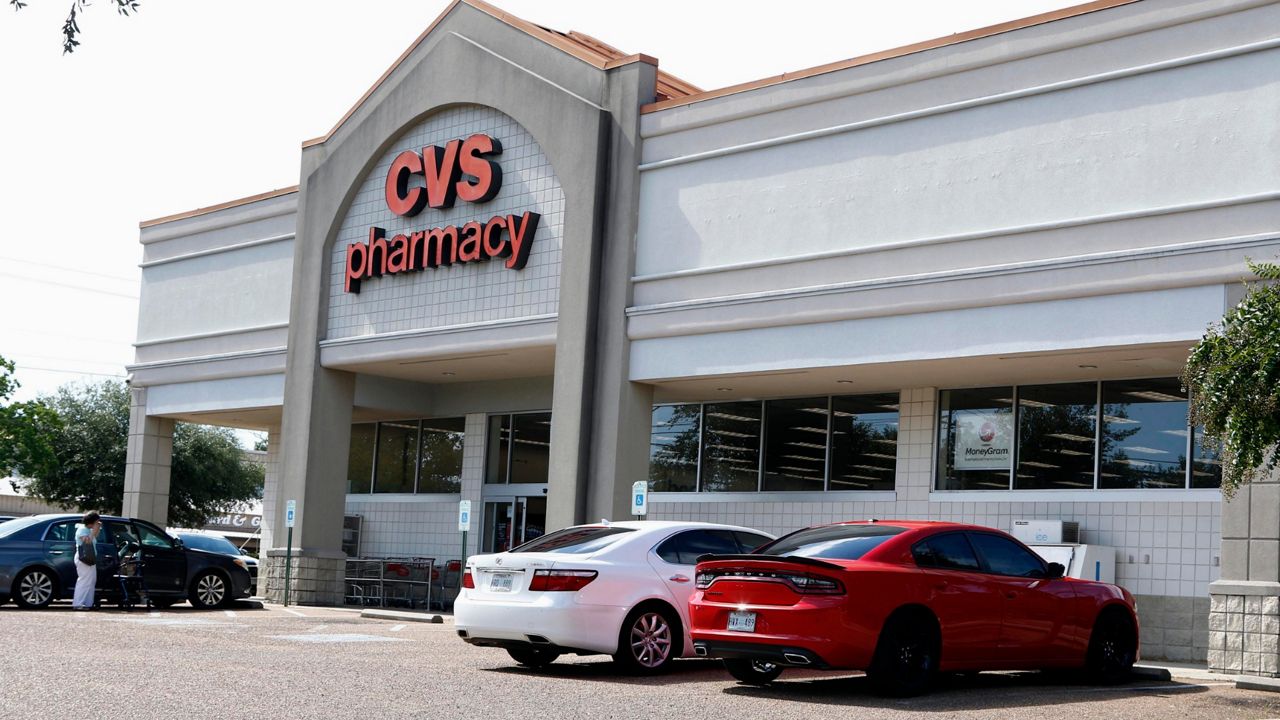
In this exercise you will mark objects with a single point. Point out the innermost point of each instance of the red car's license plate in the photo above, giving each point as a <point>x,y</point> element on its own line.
<point>742,621</point>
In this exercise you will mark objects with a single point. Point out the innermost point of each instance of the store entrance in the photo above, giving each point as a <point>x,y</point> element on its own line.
<point>513,521</point>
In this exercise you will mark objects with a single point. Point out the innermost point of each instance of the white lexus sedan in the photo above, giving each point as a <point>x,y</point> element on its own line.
<point>620,589</point>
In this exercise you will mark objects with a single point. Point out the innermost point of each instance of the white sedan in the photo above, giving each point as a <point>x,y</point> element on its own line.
<point>620,589</point>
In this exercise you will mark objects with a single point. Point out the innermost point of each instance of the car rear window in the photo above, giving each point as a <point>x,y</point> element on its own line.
<point>12,527</point>
<point>209,543</point>
<point>832,542</point>
<point>575,540</point>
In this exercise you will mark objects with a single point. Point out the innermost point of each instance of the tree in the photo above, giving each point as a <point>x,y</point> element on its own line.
<point>26,430</point>
<point>71,26</point>
<point>209,474</point>
<point>1233,375</point>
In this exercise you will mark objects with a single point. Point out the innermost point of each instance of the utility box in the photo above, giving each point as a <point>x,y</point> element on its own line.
<point>1047,532</point>
<point>1086,562</point>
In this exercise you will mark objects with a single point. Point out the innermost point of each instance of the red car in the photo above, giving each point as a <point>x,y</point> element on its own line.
<point>904,600</point>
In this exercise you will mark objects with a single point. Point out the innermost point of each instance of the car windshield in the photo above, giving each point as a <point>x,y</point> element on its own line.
<point>833,542</point>
<point>575,540</point>
<point>210,543</point>
<point>13,526</point>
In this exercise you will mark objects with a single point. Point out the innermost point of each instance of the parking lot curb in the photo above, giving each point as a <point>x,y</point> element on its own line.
<point>1251,682</point>
<point>1147,672</point>
<point>403,616</point>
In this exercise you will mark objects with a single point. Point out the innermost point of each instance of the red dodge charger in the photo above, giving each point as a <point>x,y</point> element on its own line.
<point>904,600</point>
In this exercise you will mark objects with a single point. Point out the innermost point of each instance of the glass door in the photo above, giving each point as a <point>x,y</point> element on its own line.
<point>509,522</point>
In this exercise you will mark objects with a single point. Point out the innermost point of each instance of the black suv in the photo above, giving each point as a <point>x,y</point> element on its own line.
<point>37,563</point>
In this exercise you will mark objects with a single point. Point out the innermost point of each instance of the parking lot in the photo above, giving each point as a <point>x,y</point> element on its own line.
<point>325,663</point>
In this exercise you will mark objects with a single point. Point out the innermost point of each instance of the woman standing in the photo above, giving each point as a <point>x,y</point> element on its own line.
<point>86,572</point>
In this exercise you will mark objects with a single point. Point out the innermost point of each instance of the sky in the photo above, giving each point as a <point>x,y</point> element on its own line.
<point>192,103</point>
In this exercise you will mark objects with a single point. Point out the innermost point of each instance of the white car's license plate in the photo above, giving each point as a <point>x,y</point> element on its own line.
<point>742,621</point>
<point>500,582</point>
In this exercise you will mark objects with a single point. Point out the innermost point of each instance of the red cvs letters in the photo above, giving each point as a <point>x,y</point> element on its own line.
<point>437,177</point>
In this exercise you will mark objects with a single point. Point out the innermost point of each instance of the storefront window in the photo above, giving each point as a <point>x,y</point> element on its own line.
<point>519,448</point>
<point>795,455</point>
<point>731,447</point>
<point>1056,436</point>
<point>975,438</point>
<point>864,442</point>
<point>1137,437</point>
<point>808,445</point>
<point>1206,468</point>
<point>397,457</point>
<point>360,458</point>
<point>1144,434</point>
<point>673,448</point>
<point>440,457</point>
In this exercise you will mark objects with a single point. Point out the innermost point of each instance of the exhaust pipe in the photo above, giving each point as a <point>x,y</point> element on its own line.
<point>538,640</point>
<point>699,650</point>
<point>795,658</point>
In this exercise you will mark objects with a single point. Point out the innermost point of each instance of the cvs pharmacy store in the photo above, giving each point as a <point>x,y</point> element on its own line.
<point>953,281</point>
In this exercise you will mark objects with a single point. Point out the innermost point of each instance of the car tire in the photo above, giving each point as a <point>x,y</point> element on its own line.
<point>649,641</point>
<point>532,657</point>
<point>906,657</point>
<point>753,672</point>
<point>209,590</point>
<point>1112,649</point>
<point>34,589</point>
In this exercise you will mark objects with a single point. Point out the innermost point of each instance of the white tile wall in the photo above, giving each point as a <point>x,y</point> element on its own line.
<point>461,294</point>
<point>1173,545</point>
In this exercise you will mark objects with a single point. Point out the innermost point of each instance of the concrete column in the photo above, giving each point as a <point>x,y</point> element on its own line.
<point>270,489</point>
<point>147,462</point>
<point>1244,605</point>
<point>473,457</point>
<point>622,411</point>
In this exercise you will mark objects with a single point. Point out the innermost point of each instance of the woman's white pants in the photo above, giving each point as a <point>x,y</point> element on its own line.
<point>86,579</point>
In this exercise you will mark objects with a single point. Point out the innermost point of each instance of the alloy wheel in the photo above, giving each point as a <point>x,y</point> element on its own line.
<point>211,590</point>
<point>651,640</point>
<point>36,588</point>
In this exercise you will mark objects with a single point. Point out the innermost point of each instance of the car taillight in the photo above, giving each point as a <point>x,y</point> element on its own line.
<point>468,581</point>
<point>802,583</point>
<point>561,580</point>
<point>814,585</point>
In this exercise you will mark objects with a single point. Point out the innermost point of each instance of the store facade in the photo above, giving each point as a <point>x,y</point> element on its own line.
<point>956,281</point>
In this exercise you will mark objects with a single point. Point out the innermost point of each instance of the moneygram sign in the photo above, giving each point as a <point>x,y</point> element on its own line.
<point>437,177</point>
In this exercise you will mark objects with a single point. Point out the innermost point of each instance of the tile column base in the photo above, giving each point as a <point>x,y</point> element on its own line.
<point>316,577</point>
<point>1244,628</point>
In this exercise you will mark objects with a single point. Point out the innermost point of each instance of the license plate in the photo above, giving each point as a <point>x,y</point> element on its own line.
<point>742,621</point>
<point>500,582</point>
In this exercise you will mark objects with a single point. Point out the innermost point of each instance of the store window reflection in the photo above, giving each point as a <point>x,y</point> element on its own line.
<point>673,448</point>
<point>975,429</point>
<point>864,442</point>
<point>519,448</point>
<point>397,457</point>
<point>440,455</point>
<point>1056,436</point>
<point>796,444</point>
<point>406,456</point>
<point>360,458</point>
<point>731,447</point>
<point>1144,434</point>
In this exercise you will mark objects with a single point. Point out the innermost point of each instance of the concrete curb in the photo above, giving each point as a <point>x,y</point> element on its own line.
<point>403,615</point>
<point>1250,682</point>
<point>1147,672</point>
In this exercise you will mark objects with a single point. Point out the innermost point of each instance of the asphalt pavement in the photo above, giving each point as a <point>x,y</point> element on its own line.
<point>275,662</point>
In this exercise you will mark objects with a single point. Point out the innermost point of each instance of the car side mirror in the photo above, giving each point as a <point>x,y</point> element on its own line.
<point>177,543</point>
<point>1056,570</point>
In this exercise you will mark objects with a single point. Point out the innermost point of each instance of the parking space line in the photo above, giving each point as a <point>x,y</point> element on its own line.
<point>397,628</point>
<point>230,613</point>
<point>293,612</point>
